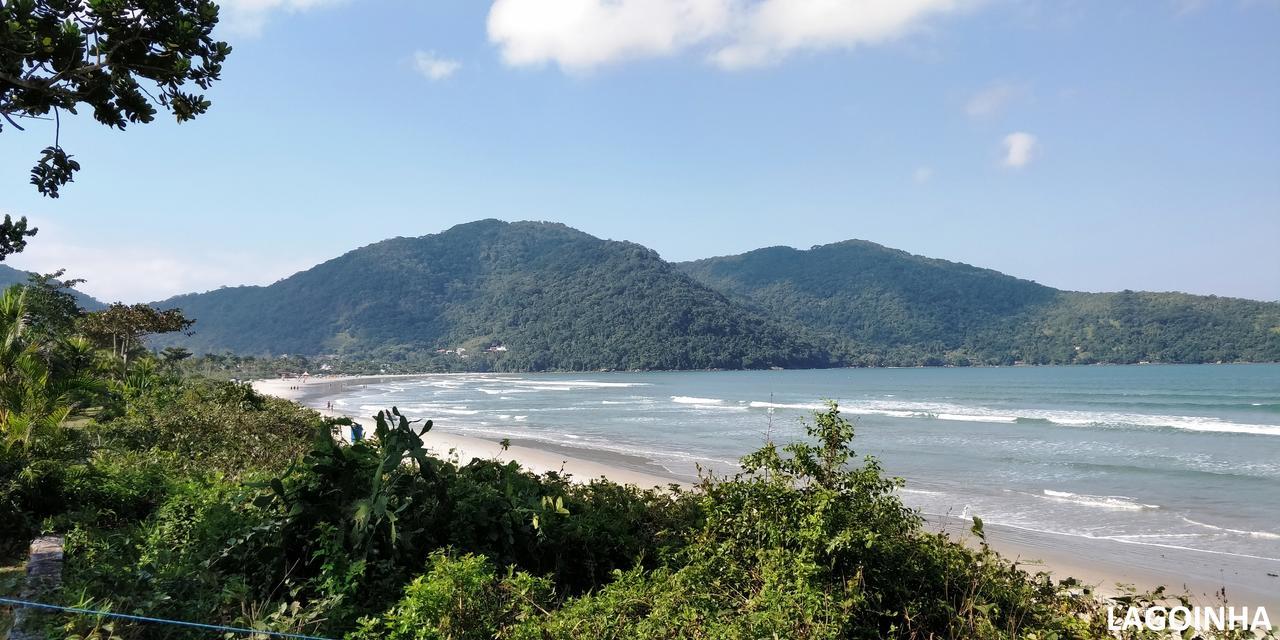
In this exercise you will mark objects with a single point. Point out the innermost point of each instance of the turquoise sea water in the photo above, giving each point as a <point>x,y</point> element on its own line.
<point>1184,457</point>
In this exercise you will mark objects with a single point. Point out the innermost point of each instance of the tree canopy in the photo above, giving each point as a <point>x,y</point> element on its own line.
<point>122,59</point>
<point>125,327</point>
<point>13,236</point>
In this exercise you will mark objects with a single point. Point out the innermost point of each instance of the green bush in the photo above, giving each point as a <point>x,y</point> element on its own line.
<point>213,426</point>
<point>460,598</point>
<point>807,541</point>
<point>804,545</point>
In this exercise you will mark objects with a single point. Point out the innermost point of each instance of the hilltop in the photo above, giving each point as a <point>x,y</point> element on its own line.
<point>883,306</point>
<point>10,276</point>
<point>551,296</point>
<point>536,296</point>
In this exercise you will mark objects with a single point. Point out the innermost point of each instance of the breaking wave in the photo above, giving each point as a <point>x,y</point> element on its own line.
<point>1065,418</point>
<point>1104,502</point>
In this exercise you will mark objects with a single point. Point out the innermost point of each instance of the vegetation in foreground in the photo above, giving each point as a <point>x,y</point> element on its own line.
<point>191,499</point>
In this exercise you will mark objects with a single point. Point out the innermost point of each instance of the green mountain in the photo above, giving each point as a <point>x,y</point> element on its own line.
<point>555,298</point>
<point>551,296</point>
<point>10,276</point>
<point>882,306</point>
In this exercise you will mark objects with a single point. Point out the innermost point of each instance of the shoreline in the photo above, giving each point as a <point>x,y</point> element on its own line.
<point>1105,565</point>
<point>536,457</point>
<point>1021,365</point>
<point>1102,564</point>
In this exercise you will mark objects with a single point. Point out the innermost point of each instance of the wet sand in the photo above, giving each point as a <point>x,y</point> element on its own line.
<point>582,464</point>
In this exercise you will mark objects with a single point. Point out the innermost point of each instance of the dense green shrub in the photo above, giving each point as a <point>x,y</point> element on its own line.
<point>381,540</point>
<point>213,426</point>
<point>353,524</point>
<point>202,501</point>
<point>461,598</point>
<point>803,544</point>
<point>160,564</point>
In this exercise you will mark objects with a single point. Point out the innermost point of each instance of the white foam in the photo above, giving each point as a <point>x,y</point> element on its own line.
<point>1105,502</point>
<point>756,404</point>
<point>975,418</point>
<point>718,407</point>
<point>1266,535</point>
<point>1067,418</point>
<point>575,384</point>
<point>694,400</point>
<point>922,492</point>
<point>1127,540</point>
<point>428,409</point>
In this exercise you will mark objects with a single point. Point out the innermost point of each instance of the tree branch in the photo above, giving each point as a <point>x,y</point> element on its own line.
<point>11,122</point>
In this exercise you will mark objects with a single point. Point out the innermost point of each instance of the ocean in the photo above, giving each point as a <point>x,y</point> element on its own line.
<point>1165,456</point>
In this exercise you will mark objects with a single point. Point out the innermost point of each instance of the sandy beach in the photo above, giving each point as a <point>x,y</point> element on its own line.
<point>618,468</point>
<point>1108,566</point>
<point>1100,563</point>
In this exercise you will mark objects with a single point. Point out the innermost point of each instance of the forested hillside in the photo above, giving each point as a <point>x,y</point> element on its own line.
<point>1129,327</point>
<point>181,504</point>
<point>10,276</point>
<point>549,296</point>
<point>530,296</point>
<point>887,307</point>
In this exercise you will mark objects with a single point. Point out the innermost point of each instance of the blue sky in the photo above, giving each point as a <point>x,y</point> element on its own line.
<point>1085,145</point>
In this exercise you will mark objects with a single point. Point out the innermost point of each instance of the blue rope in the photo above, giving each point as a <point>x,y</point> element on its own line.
<point>197,625</point>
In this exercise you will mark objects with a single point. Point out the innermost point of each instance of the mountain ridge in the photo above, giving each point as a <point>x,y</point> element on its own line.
<point>945,312</point>
<point>10,276</point>
<point>557,298</point>
<point>554,297</point>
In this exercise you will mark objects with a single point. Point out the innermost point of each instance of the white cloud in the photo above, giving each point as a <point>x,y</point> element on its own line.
<point>1187,7</point>
<point>1019,147</point>
<point>993,99</point>
<point>246,18</point>
<point>1184,7</point>
<point>133,273</point>
<point>579,35</point>
<point>772,29</point>
<point>434,67</point>
<point>922,175</point>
